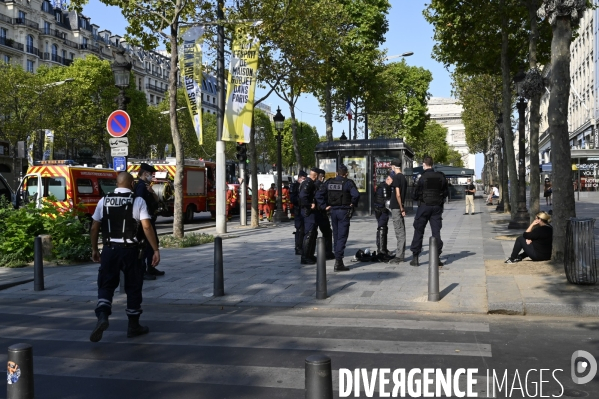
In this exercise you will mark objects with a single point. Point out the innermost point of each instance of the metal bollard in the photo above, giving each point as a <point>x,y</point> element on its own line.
<point>38,265</point>
<point>219,283</point>
<point>19,368</point>
<point>433,270</point>
<point>321,270</point>
<point>319,377</point>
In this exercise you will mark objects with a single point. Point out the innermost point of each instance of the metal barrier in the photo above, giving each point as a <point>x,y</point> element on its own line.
<point>321,270</point>
<point>433,270</point>
<point>219,279</point>
<point>38,264</point>
<point>579,256</point>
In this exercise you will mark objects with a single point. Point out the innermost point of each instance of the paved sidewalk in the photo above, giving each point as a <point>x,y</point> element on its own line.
<point>261,270</point>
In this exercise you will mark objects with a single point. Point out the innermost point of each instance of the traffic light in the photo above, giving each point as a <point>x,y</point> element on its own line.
<point>242,152</point>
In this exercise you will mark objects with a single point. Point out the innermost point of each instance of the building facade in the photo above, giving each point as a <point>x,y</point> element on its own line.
<point>448,113</point>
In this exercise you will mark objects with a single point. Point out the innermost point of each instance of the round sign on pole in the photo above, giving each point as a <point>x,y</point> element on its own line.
<point>118,123</point>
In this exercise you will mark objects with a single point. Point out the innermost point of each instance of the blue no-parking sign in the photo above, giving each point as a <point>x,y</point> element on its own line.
<point>118,123</point>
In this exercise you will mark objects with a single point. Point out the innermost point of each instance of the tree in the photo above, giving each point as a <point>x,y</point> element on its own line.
<point>562,15</point>
<point>152,21</point>
<point>306,145</point>
<point>402,107</point>
<point>431,142</point>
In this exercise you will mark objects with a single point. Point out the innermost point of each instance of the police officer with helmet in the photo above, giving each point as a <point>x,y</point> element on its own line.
<point>308,209</point>
<point>119,216</point>
<point>382,197</point>
<point>145,191</point>
<point>430,192</point>
<point>340,196</point>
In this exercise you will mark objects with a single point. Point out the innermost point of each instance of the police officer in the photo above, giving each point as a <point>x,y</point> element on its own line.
<point>308,208</point>
<point>119,215</point>
<point>323,222</point>
<point>145,191</point>
<point>340,196</point>
<point>297,211</point>
<point>381,211</point>
<point>430,192</point>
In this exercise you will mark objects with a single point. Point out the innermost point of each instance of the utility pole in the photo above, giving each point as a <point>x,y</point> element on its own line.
<point>221,221</point>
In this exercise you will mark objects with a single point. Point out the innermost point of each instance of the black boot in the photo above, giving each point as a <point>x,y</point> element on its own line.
<point>101,326</point>
<point>378,240</point>
<point>306,260</point>
<point>384,249</point>
<point>299,239</point>
<point>414,261</point>
<point>147,274</point>
<point>134,329</point>
<point>312,251</point>
<point>340,267</point>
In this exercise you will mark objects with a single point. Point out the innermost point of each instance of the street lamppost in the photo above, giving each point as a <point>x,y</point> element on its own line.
<point>522,218</point>
<point>121,69</point>
<point>279,120</point>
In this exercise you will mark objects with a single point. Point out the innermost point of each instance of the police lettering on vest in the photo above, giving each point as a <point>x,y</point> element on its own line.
<point>336,196</point>
<point>432,192</point>
<point>117,219</point>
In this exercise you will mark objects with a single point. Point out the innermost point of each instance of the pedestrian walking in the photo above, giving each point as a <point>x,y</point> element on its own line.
<point>306,198</point>
<point>323,222</point>
<point>469,192</point>
<point>298,218</point>
<point>231,200</point>
<point>119,216</point>
<point>398,211</point>
<point>430,193</point>
<point>272,201</point>
<point>382,199</point>
<point>340,196</point>
<point>262,203</point>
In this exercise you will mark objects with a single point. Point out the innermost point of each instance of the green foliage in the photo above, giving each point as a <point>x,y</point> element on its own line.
<point>307,140</point>
<point>188,240</point>
<point>431,142</point>
<point>22,225</point>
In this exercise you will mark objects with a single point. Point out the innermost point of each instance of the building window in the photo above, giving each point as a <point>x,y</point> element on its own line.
<point>29,44</point>
<point>139,84</point>
<point>6,59</point>
<point>54,52</point>
<point>58,17</point>
<point>29,66</point>
<point>151,99</point>
<point>46,6</point>
<point>64,54</point>
<point>84,42</point>
<point>72,56</point>
<point>22,16</point>
<point>3,33</point>
<point>46,26</point>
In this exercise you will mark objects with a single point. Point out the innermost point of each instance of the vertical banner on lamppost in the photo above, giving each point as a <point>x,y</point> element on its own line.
<point>190,60</point>
<point>240,87</point>
<point>48,145</point>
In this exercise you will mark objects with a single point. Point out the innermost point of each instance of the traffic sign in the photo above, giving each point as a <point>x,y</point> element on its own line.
<point>119,151</point>
<point>120,164</point>
<point>118,142</point>
<point>118,123</point>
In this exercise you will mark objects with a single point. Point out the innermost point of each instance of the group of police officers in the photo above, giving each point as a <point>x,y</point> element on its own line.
<point>134,250</point>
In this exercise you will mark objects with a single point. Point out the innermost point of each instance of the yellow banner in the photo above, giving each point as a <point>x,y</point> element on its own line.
<point>48,145</point>
<point>240,88</point>
<point>190,64</point>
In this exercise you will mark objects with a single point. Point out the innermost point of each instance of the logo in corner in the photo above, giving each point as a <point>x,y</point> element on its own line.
<point>583,362</point>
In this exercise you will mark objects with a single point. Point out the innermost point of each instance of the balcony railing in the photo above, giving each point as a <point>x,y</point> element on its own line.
<point>71,44</point>
<point>11,43</point>
<point>155,88</point>
<point>32,50</point>
<point>66,61</point>
<point>26,22</point>
<point>6,19</point>
<point>88,46</point>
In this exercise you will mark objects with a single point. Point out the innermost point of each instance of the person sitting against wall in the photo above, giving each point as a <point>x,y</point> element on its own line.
<point>493,194</point>
<point>536,242</point>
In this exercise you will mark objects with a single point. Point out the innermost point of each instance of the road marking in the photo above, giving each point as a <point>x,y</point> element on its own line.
<point>259,342</point>
<point>315,321</point>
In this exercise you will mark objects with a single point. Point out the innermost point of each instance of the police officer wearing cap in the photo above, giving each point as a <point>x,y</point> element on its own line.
<point>430,192</point>
<point>308,209</point>
<point>145,191</point>
<point>382,198</point>
<point>340,196</point>
<point>297,211</point>
<point>323,222</point>
<point>119,216</point>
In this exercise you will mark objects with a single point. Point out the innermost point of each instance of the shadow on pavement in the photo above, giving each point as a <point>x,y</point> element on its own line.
<point>447,290</point>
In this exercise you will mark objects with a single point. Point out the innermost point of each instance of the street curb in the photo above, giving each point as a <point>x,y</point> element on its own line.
<point>15,282</point>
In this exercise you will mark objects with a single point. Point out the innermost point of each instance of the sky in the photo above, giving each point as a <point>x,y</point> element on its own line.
<point>408,31</point>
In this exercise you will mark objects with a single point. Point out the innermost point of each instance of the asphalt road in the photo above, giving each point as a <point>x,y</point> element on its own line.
<point>212,352</point>
<point>164,225</point>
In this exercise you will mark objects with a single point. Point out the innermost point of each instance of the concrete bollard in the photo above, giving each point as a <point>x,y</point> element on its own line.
<point>219,283</point>
<point>38,265</point>
<point>433,270</point>
<point>19,368</point>
<point>319,377</point>
<point>321,270</point>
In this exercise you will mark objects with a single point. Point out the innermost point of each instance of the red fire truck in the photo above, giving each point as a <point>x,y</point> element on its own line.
<point>198,185</point>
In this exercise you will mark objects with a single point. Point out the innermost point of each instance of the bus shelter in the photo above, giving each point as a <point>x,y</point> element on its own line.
<point>369,163</point>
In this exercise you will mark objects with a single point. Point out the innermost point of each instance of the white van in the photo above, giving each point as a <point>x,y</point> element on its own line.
<point>268,179</point>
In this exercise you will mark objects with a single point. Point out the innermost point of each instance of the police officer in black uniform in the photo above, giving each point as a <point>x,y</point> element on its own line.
<point>340,196</point>
<point>431,191</point>
<point>145,191</point>
<point>308,209</point>
<point>119,215</point>
<point>381,211</point>
<point>298,219</point>
<point>323,222</point>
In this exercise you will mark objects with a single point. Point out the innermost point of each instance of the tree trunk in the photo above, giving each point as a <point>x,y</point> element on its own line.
<point>177,142</point>
<point>563,191</point>
<point>254,175</point>
<point>296,149</point>
<point>534,117</point>
<point>328,112</point>
<point>508,135</point>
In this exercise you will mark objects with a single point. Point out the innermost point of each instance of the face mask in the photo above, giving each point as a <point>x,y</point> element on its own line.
<point>392,173</point>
